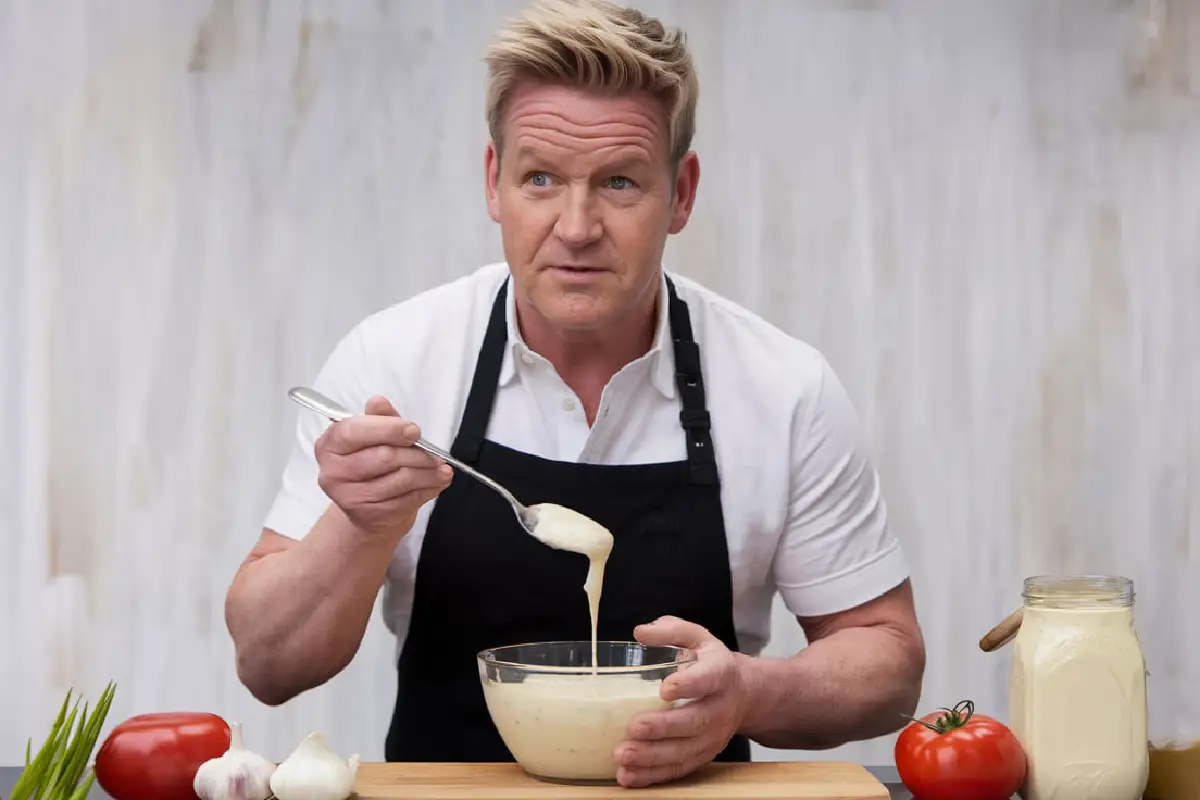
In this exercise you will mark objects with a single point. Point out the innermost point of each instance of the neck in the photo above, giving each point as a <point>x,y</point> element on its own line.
<point>587,359</point>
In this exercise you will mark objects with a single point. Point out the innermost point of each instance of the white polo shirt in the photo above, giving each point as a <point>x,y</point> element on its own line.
<point>803,510</point>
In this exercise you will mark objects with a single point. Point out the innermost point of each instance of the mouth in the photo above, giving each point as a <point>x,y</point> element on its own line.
<point>575,269</point>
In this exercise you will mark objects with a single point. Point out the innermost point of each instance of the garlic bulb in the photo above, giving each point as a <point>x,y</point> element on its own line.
<point>236,775</point>
<point>314,772</point>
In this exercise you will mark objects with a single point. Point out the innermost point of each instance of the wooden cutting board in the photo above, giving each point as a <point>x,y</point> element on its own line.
<point>813,780</point>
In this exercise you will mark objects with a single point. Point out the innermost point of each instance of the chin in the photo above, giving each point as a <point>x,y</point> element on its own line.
<point>572,311</point>
<point>576,321</point>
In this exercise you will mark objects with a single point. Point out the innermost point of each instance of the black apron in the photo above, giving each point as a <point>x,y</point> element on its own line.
<point>482,581</point>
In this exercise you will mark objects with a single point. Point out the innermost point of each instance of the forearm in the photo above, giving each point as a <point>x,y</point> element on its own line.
<point>857,683</point>
<point>297,617</point>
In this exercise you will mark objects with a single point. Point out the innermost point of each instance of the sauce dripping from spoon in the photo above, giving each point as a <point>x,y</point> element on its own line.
<point>564,529</point>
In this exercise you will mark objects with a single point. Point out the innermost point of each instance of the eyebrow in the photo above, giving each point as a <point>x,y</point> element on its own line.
<point>621,164</point>
<point>627,163</point>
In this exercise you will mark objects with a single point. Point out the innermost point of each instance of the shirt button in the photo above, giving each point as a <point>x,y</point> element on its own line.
<point>568,404</point>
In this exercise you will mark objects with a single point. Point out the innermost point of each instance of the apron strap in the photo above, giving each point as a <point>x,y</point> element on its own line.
<point>689,381</point>
<point>473,428</point>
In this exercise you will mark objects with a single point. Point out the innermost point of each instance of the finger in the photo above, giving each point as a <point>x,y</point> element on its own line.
<point>380,406</point>
<point>672,723</point>
<point>659,753</point>
<point>704,677</point>
<point>422,497</point>
<point>674,631</point>
<point>645,763</point>
<point>361,432</point>
<point>378,460</point>
<point>406,507</point>
<point>402,483</point>
<point>635,777</point>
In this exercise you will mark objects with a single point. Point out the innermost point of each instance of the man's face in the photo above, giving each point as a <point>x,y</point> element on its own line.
<point>585,197</point>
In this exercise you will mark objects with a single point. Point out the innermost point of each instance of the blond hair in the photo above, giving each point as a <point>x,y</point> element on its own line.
<point>597,45</point>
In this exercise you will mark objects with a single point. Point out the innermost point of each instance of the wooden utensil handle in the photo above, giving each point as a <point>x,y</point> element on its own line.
<point>1003,633</point>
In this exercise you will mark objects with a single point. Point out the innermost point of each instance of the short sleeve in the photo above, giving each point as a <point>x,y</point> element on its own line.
<point>837,551</point>
<point>345,377</point>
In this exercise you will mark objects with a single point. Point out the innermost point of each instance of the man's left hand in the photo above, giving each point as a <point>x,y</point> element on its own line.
<point>665,745</point>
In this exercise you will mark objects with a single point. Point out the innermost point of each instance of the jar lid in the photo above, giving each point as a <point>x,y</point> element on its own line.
<point>1078,590</point>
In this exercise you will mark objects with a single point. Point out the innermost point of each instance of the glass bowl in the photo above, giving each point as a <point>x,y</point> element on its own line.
<point>562,720</point>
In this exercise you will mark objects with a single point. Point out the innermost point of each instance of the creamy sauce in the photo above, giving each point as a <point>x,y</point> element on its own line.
<point>1078,704</point>
<point>566,727</point>
<point>564,529</point>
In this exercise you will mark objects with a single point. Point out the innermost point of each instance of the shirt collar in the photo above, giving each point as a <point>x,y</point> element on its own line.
<point>661,354</point>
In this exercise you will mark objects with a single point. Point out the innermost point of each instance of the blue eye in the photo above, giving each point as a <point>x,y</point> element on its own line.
<point>619,182</point>
<point>539,179</point>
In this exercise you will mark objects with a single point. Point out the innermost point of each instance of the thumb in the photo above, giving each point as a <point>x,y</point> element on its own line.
<point>668,631</point>
<point>379,406</point>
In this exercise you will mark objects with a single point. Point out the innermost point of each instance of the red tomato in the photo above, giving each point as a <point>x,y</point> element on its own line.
<point>956,754</point>
<point>155,756</point>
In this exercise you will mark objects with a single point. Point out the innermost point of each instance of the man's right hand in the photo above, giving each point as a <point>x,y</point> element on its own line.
<point>369,467</point>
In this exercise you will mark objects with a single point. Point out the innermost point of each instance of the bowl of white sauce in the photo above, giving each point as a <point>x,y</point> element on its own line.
<point>561,717</point>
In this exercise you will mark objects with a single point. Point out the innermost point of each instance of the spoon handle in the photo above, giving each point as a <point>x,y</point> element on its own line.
<point>438,452</point>
<point>315,401</point>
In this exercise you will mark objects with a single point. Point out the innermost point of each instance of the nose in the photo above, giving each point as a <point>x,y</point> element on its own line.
<point>578,223</point>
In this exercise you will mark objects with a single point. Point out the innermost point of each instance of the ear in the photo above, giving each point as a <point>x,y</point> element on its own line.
<point>687,178</point>
<point>491,171</point>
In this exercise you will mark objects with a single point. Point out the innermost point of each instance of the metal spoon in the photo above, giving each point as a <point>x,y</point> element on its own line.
<point>315,401</point>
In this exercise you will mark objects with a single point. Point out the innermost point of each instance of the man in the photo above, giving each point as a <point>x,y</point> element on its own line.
<point>723,454</point>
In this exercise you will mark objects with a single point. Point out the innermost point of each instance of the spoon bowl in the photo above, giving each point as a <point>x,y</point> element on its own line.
<point>335,412</point>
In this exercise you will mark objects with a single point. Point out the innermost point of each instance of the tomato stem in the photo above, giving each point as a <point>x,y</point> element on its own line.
<point>954,718</point>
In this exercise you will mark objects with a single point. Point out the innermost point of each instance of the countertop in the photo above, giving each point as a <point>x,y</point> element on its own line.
<point>8,776</point>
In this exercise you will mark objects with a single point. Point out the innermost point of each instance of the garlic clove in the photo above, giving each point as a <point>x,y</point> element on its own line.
<point>238,774</point>
<point>314,772</point>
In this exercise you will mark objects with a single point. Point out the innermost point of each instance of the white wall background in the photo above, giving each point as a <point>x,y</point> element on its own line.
<point>987,214</point>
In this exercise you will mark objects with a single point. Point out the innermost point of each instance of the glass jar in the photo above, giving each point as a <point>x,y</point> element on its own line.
<point>1078,690</point>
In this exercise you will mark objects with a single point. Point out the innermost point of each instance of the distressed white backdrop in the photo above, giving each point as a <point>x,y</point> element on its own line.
<point>986,214</point>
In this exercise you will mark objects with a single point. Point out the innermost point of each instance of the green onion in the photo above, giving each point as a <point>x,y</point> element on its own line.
<point>55,772</point>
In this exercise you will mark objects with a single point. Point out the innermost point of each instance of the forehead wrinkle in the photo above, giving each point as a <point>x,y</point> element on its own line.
<point>568,160</point>
<point>557,123</point>
<point>527,142</point>
<point>539,108</point>
<point>608,141</point>
<point>561,103</point>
